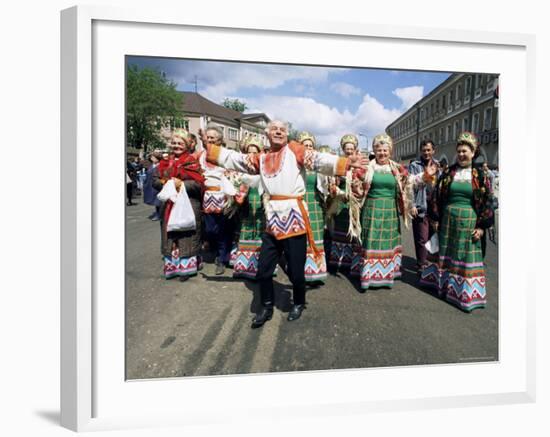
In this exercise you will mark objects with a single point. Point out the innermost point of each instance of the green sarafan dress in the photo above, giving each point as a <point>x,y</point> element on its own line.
<point>458,272</point>
<point>381,234</point>
<point>315,270</point>
<point>247,255</point>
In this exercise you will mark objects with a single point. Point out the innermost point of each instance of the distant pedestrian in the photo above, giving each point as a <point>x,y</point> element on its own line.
<point>149,192</point>
<point>130,176</point>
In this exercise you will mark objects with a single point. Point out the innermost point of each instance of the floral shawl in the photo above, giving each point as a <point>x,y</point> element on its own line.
<point>482,193</point>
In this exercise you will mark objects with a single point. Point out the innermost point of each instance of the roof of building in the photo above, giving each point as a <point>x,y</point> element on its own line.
<point>197,104</point>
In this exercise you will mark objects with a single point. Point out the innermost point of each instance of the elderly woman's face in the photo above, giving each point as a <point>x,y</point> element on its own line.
<point>382,153</point>
<point>178,145</point>
<point>308,144</point>
<point>464,155</point>
<point>213,137</point>
<point>349,149</point>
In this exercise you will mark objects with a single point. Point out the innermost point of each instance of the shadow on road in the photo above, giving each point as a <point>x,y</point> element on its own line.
<point>282,296</point>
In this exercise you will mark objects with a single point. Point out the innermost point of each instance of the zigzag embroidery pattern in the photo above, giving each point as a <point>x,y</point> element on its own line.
<point>341,254</point>
<point>182,266</point>
<point>467,293</point>
<point>292,224</point>
<point>314,271</point>
<point>381,271</point>
<point>213,204</point>
<point>246,264</point>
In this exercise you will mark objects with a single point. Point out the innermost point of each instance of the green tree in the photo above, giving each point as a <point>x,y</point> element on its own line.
<point>292,133</point>
<point>151,102</point>
<point>235,104</point>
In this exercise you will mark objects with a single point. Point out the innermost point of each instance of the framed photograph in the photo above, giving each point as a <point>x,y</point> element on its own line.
<point>141,351</point>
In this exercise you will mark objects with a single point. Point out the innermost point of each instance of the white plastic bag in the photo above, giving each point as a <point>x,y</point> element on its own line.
<point>432,245</point>
<point>182,217</point>
<point>168,192</point>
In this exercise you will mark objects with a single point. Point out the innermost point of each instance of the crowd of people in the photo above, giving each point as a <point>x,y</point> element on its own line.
<point>306,211</point>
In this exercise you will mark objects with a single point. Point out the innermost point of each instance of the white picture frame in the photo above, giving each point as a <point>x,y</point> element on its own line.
<point>94,395</point>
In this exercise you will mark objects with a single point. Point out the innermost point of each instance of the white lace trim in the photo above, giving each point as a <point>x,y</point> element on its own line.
<point>463,175</point>
<point>380,168</point>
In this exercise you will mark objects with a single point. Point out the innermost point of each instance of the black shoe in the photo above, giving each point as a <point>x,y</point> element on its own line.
<point>263,316</point>
<point>295,312</point>
<point>184,278</point>
<point>220,269</point>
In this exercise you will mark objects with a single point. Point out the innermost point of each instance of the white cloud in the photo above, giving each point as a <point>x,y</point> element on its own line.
<point>409,95</point>
<point>216,80</point>
<point>345,89</point>
<point>328,123</point>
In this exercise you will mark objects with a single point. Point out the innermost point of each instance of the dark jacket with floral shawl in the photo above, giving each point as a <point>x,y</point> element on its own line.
<point>482,192</point>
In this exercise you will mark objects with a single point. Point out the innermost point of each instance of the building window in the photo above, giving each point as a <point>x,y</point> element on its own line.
<point>455,130</point>
<point>487,121</point>
<point>444,102</point>
<point>478,80</point>
<point>233,134</point>
<point>465,123</point>
<point>475,122</point>
<point>448,133</point>
<point>468,85</point>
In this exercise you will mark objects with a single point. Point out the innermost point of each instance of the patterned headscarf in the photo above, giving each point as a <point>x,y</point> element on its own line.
<point>349,138</point>
<point>307,136</point>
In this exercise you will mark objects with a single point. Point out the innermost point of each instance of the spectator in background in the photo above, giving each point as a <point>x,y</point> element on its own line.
<point>488,172</point>
<point>420,222</point>
<point>130,176</point>
<point>149,192</point>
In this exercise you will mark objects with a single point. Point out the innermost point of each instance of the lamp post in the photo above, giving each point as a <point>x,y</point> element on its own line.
<point>366,140</point>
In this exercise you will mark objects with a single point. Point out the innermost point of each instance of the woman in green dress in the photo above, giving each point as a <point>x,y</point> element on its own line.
<point>461,210</point>
<point>252,215</point>
<point>388,200</point>
<point>315,267</point>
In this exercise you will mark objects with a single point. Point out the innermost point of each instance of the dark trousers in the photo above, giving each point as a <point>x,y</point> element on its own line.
<point>294,249</point>
<point>220,232</point>
<point>129,191</point>
<point>421,233</point>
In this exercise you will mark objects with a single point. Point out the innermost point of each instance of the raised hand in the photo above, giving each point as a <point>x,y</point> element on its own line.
<point>359,161</point>
<point>431,168</point>
<point>202,136</point>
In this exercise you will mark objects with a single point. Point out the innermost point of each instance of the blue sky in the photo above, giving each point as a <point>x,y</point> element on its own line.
<point>327,101</point>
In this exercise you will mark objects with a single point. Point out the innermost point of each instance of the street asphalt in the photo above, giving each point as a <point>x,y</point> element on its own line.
<point>202,326</point>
